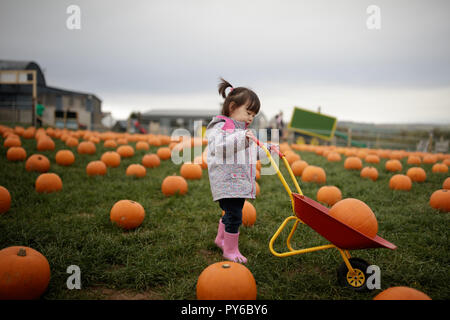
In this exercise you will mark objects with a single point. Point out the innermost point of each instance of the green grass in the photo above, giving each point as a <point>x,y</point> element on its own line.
<point>163,258</point>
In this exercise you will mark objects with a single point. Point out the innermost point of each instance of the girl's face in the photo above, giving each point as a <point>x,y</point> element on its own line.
<point>242,114</point>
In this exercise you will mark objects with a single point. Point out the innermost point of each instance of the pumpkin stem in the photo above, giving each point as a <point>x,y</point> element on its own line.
<point>22,252</point>
<point>226,266</point>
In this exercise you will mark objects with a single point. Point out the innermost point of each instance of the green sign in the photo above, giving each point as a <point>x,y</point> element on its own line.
<point>312,123</point>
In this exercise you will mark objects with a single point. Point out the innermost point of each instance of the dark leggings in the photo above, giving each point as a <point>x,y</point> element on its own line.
<point>232,218</point>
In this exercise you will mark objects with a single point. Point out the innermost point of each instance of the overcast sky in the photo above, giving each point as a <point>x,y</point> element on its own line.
<point>143,55</point>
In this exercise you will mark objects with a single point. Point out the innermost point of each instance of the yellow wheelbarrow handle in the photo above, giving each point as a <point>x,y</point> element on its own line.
<point>286,163</point>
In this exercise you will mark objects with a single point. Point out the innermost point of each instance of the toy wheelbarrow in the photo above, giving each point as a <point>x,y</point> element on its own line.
<point>353,271</point>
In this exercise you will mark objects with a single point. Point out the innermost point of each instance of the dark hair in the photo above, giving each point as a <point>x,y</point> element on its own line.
<point>237,97</point>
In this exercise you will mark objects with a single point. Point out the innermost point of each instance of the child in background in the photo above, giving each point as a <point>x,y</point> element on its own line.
<point>231,170</point>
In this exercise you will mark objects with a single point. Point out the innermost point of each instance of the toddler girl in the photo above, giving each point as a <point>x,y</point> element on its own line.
<point>231,167</point>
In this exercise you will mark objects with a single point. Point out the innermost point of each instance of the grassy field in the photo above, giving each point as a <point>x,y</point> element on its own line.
<point>163,258</point>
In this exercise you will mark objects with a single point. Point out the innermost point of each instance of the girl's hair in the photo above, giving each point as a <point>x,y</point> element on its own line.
<point>237,97</point>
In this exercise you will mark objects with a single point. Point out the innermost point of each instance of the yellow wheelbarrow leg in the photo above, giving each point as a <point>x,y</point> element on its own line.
<point>292,251</point>
<point>345,256</point>
<point>288,241</point>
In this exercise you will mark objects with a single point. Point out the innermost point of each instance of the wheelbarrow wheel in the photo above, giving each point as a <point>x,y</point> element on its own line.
<point>356,281</point>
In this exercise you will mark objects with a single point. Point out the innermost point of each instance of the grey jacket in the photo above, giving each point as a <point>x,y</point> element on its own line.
<point>231,159</point>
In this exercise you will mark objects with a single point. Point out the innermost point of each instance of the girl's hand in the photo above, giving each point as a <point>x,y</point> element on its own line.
<point>249,134</point>
<point>274,148</point>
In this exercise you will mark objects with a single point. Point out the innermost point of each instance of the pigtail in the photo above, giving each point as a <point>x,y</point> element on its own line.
<point>223,85</point>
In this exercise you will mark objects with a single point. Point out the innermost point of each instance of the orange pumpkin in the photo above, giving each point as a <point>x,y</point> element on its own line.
<point>48,182</point>
<point>258,163</point>
<point>353,163</point>
<point>372,158</point>
<point>440,200</point>
<point>248,214</point>
<point>5,200</point>
<point>96,168</point>
<point>400,182</point>
<point>446,184</point>
<point>29,133</point>
<point>12,142</point>
<point>258,190</point>
<point>154,141</point>
<point>164,153</point>
<point>334,157</point>
<point>40,133</point>
<point>370,173</point>
<point>298,167</point>
<point>439,168</point>
<point>174,184</point>
<point>122,141</point>
<point>71,142</point>
<point>191,171</point>
<point>10,134</point>
<point>291,157</point>
<point>110,143</point>
<point>165,140</point>
<point>16,154</point>
<point>24,273</point>
<point>401,293</point>
<point>94,139</point>
<point>201,160</point>
<point>142,145</point>
<point>361,154</point>
<point>226,280</point>
<point>136,170</point>
<point>125,151</point>
<point>19,130</point>
<point>127,214</point>
<point>86,147</point>
<point>37,162</point>
<point>151,161</point>
<point>397,154</point>
<point>429,159</point>
<point>383,153</point>
<point>416,174</point>
<point>412,159</point>
<point>45,143</point>
<point>111,159</point>
<point>329,195</point>
<point>356,214</point>
<point>64,157</point>
<point>314,174</point>
<point>393,165</point>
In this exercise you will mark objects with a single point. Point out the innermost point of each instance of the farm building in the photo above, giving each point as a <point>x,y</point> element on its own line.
<point>166,120</point>
<point>22,85</point>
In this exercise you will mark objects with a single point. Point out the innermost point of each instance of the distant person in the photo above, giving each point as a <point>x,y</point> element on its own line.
<point>280,124</point>
<point>39,113</point>
<point>232,178</point>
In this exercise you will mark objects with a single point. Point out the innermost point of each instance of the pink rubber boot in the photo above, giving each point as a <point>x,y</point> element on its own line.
<point>219,237</point>
<point>230,248</point>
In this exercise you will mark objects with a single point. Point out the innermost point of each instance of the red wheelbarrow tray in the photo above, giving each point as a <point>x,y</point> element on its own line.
<point>341,235</point>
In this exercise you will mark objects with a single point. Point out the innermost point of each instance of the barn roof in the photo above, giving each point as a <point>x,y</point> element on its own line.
<point>42,86</point>
<point>24,65</point>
